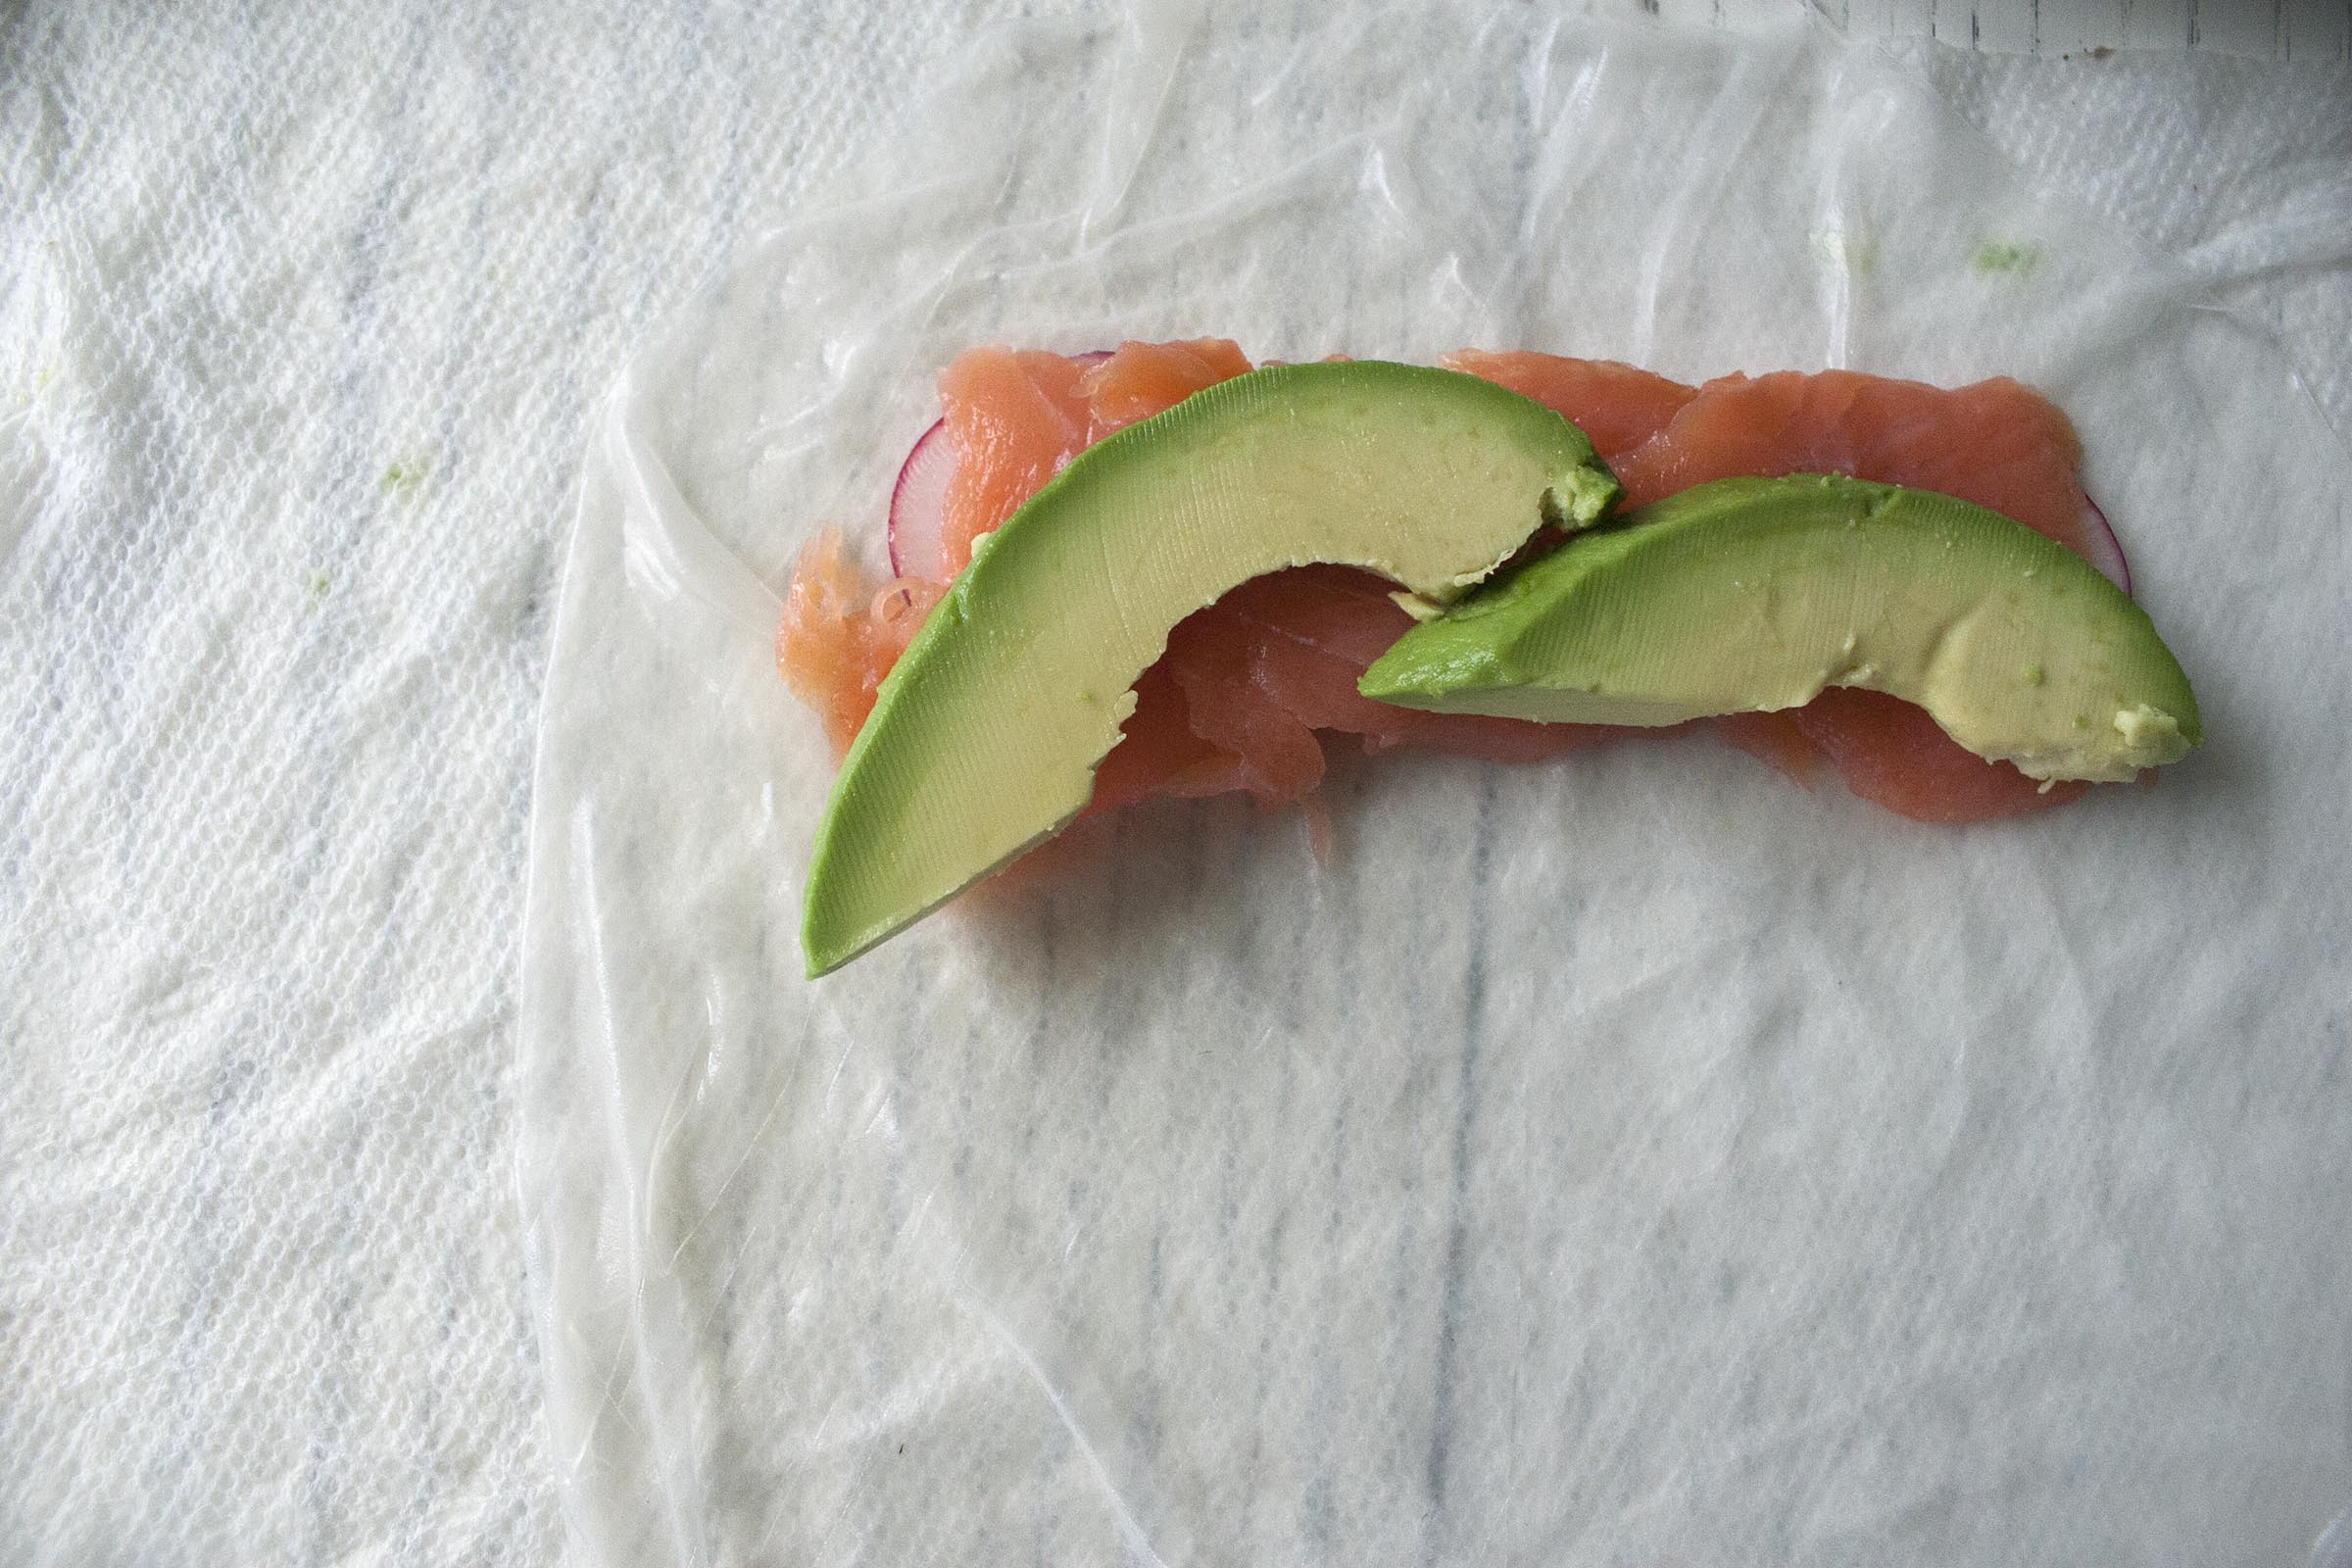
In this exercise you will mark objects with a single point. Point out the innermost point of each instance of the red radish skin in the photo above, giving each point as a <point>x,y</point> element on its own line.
<point>1014,417</point>
<point>2101,548</point>
<point>918,506</point>
<point>918,502</point>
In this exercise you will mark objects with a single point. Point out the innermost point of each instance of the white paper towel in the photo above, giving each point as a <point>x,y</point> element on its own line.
<point>302,310</point>
<point>1629,1159</point>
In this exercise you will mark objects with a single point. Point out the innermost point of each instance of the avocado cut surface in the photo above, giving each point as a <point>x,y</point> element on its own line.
<point>985,736</point>
<point>1751,594</point>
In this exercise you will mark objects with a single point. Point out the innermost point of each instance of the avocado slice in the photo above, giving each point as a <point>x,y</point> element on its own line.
<point>1752,595</point>
<point>985,736</point>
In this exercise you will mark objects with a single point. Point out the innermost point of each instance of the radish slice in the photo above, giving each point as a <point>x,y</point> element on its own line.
<point>919,507</point>
<point>2101,548</point>
<point>918,502</point>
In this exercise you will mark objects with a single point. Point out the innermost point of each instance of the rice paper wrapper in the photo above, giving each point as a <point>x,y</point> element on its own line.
<point>1628,1159</point>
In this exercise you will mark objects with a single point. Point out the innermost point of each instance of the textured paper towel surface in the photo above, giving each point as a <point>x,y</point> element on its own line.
<point>1629,1159</point>
<point>302,308</point>
<point>301,311</point>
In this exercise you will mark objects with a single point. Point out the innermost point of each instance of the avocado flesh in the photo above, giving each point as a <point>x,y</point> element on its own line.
<point>1752,595</point>
<point>985,736</point>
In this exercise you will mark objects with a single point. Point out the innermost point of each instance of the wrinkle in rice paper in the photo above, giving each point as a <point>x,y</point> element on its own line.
<point>1625,1158</point>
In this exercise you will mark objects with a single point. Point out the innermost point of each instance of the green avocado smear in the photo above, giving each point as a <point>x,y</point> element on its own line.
<point>1749,595</point>
<point>985,735</point>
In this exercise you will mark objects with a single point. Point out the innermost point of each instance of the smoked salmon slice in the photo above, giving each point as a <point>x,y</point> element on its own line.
<point>1252,688</point>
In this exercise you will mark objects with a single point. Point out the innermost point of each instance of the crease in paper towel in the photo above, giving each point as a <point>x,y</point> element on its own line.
<point>1625,1159</point>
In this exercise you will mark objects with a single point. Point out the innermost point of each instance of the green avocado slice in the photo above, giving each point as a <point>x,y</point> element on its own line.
<point>1752,595</point>
<point>985,737</point>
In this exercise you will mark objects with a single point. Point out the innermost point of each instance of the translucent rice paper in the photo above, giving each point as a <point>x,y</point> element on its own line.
<point>1630,1158</point>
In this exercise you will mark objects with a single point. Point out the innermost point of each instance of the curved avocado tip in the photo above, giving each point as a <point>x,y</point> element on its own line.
<point>984,738</point>
<point>1753,595</point>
